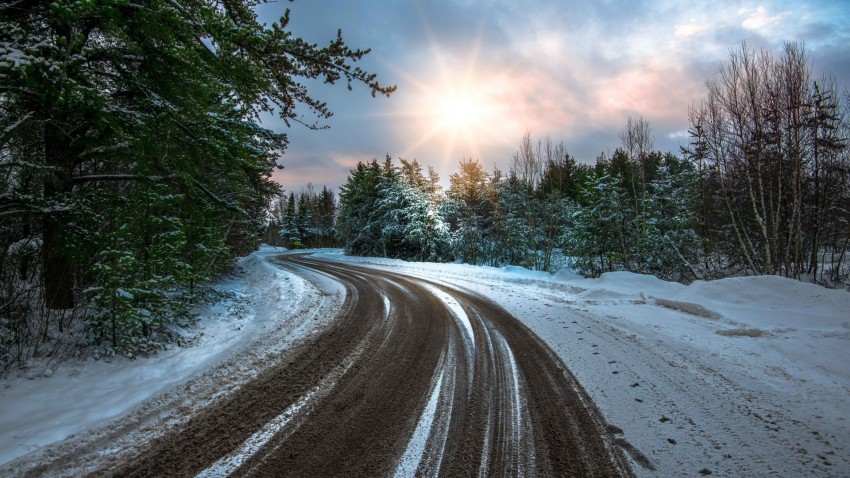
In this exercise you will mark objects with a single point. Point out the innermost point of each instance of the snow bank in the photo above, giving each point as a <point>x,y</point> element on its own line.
<point>38,411</point>
<point>631,284</point>
<point>770,302</point>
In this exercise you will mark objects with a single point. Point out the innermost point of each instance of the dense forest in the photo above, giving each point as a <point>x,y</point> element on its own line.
<point>762,188</point>
<point>304,219</point>
<point>133,167</point>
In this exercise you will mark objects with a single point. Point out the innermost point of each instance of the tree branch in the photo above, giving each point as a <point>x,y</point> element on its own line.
<point>140,177</point>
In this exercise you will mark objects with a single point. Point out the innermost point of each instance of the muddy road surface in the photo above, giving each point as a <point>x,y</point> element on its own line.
<point>413,378</point>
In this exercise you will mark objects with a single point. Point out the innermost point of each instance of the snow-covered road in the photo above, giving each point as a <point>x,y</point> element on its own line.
<point>738,377</point>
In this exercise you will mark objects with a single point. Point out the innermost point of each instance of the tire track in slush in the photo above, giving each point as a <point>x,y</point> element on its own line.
<point>413,378</point>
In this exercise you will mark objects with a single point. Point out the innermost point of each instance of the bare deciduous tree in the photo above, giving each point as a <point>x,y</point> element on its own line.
<point>770,134</point>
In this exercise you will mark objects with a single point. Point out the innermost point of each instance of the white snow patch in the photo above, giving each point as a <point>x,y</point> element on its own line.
<point>229,464</point>
<point>456,309</point>
<point>409,462</point>
<point>387,306</point>
<point>516,399</point>
<point>82,395</point>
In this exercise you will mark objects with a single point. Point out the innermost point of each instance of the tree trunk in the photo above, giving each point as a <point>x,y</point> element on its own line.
<point>57,270</point>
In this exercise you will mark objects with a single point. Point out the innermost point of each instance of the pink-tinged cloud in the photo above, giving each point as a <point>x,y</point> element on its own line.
<point>658,90</point>
<point>572,70</point>
<point>324,168</point>
<point>758,18</point>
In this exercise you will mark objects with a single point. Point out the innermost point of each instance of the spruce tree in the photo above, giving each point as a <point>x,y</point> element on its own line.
<point>104,104</point>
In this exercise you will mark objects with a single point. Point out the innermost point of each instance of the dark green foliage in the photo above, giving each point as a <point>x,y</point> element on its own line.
<point>637,221</point>
<point>145,275</point>
<point>616,215</point>
<point>131,158</point>
<point>356,227</point>
<point>470,212</point>
<point>304,220</point>
<point>388,211</point>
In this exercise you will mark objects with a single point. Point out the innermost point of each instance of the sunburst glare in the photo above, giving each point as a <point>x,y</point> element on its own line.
<point>457,109</point>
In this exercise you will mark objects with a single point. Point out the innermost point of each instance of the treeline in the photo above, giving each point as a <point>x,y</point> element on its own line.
<point>771,143</point>
<point>607,216</point>
<point>132,165</point>
<point>763,188</point>
<point>303,220</point>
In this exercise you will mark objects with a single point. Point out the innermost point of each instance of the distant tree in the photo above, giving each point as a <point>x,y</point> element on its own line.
<point>304,218</point>
<point>326,207</point>
<point>669,245</point>
<point>289,230</point>
<point>527,164</point>
<point>769,134</point>
<point>561,176</point>
<point>434,189</point>
<point>356,226</point>
<point>597,240</point>
<point>637,142</point>
<point>410,226</point>
<point>387,211</point>
<point>469,212</point>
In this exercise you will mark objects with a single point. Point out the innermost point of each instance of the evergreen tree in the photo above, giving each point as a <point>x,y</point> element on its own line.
<point>106,103</point>
<point>356,227</point>
<point>304,220</point>
<point>387,211</point>
<point>670,245</point>
<point>597,240</point>
<point>325,217</point>
<point>289,230</point>
<point>470,212</point>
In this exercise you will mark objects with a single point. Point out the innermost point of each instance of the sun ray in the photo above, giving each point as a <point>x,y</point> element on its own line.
<point>458,108</point>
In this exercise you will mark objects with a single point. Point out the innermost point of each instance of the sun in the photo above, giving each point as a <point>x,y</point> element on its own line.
<point>460,116</point>
<point>455,107</point>
<point>459,111</point>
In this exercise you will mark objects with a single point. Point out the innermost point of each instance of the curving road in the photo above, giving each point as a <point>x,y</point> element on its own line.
<point>413,378</point>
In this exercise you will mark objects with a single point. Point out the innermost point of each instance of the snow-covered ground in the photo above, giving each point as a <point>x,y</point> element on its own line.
<point>746,376</point>
<point>737,377</point>
<point>265,305</point>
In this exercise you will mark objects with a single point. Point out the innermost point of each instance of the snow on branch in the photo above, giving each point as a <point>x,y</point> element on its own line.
<point>155,178</point>
<point>12,127</point>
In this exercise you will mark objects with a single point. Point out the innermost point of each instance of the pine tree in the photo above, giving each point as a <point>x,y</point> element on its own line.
<point>355,222</point>
<point>289,230</point>
<point>471,212</point>
<point>326,217</point>
<point>387,211</point>
<point>597,240</point>
<point>103,102</point>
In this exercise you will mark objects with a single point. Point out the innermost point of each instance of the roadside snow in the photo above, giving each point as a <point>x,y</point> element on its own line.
<point>746,376</point>
<point>35,412</point>
<point>737,377</point>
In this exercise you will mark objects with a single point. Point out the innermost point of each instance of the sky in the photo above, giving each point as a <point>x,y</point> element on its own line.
<point>474,76</point>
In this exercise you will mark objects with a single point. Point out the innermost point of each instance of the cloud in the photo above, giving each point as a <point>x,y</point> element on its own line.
<point>320,168</point>
<point>691,29</point>
<point>758,18</point>
<point>573,70</point>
